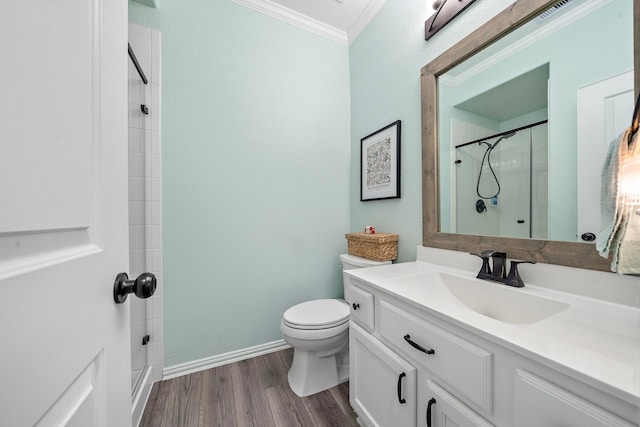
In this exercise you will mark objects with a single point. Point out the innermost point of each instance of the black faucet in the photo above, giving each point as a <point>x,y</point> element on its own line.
<point>498,272</point>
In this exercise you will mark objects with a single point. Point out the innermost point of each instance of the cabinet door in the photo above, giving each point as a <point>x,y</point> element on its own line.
<point>540,403</point>
<point>382,385</point>
<point>442,409</point>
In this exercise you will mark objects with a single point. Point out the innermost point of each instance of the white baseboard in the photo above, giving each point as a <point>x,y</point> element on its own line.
<point>222,359</point>
<point>140,395</point>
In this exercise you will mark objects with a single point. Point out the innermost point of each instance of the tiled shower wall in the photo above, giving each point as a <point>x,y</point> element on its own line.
<point>145,203</point>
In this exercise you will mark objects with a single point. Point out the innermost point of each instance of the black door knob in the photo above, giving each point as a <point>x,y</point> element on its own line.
<point>143,286</point>
<point>588,237</point>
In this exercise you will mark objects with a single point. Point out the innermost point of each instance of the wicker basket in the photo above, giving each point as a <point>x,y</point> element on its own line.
<point>378,247</point>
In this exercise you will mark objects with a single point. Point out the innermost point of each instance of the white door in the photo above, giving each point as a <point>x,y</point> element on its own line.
<point>64,343</point>
<point>605,109</point>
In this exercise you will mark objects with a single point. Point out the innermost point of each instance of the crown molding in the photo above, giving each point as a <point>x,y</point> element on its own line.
<point>292,17</point>
<point>365,17</point>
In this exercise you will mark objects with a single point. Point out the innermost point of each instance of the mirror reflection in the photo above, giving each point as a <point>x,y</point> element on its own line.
<point>501,184</point>
<point>524,125</point>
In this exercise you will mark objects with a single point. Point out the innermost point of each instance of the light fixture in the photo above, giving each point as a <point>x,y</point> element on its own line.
<point>446,10</point>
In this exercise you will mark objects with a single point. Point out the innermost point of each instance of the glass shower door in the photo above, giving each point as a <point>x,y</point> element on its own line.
<point>512,164</point>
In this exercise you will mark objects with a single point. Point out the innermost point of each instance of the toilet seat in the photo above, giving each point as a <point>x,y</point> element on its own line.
<point>317,314</point>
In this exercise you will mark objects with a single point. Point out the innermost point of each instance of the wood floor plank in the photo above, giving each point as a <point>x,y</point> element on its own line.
<point>183,402</point>
<point>192,400</point>
<point>325,410</point>
<point>253,392</point>
<point>252,408</point>
<point>210,407</point>
<point>153,413</point>
<point>287,408</point>
<point>218,398</point>
<point>274,367</point>
<point>340,394</point>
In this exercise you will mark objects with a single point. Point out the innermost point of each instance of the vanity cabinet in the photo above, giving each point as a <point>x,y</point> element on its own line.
<point>409,367</point>
<point>401,364</point>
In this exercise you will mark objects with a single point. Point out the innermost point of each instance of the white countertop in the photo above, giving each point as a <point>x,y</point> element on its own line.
<point>594,341</point>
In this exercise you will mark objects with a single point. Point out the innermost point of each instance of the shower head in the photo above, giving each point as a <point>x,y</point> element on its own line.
<point>504,136</point>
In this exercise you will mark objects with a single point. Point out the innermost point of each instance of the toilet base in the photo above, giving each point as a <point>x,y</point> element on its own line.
<point>312,373</point>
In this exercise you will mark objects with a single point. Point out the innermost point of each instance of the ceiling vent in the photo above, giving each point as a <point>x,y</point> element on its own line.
<point>553,10</point>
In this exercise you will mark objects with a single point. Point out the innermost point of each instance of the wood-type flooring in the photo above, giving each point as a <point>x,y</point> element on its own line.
<point>252,392</point>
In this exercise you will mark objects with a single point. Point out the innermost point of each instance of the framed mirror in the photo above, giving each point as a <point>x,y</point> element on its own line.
<point>486,41</point>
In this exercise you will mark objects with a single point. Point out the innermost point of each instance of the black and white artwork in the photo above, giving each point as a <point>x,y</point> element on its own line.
<point>380,164</point>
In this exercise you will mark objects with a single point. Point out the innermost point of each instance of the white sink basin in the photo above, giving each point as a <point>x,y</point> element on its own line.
<point>500,302</point>
<point>497,301</point>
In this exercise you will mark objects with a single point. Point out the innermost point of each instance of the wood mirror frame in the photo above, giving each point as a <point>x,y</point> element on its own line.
<point>582,255</point>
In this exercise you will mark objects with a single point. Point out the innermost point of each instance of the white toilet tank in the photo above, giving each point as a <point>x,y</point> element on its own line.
<point>352,261</point>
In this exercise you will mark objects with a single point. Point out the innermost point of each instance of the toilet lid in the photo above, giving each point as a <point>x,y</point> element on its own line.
<point>317,314</point>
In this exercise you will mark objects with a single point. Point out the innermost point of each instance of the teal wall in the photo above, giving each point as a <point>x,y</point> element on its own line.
<point>385,62</point>
<point>255,158</point>
<point>262,124</point>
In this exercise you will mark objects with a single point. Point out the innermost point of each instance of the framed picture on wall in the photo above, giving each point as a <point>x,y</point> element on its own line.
<point>380,164</point>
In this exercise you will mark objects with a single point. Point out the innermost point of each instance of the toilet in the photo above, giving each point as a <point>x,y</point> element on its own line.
<point>318,331</point>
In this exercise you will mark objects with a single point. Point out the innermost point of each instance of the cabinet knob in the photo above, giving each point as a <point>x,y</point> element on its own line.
<point>355,306</point>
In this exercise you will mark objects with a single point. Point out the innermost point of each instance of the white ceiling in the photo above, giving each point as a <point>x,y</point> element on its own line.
<point>338,20</point>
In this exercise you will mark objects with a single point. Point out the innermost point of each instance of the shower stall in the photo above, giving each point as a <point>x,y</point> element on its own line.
<point>145,211</point>
<point>501,184</point>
